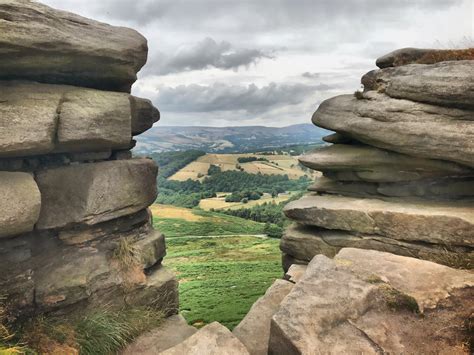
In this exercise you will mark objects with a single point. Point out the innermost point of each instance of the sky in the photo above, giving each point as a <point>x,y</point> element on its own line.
<point>269,62</point>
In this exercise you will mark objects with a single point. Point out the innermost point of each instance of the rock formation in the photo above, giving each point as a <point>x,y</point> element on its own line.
<point>399,175</point>
<point>75,231</point>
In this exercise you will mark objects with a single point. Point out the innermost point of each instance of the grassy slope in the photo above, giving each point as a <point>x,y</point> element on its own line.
<point>207,223</point>
<point>220,278</point>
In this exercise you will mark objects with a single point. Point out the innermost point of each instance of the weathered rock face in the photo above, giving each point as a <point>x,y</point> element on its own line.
<point>399,176</point>
<point>172,332</point>
<point>412,220</point>
<point>445,83</point>
<point>75,232</point>
<point>43,118</point>
<point>95,192</point>
<point>20,203</point>
<point>254,330</point>
<point>212,339</point>
<point>403,126</point>
<point>369,302</point>
<point>42,44</point>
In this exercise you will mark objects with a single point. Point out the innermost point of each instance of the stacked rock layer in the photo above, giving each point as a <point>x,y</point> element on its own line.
<point>75,231</point>
<point>399,173</point>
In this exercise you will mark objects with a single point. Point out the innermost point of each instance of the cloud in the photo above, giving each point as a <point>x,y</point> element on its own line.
<point>207,54</point>
<point>223,97</point>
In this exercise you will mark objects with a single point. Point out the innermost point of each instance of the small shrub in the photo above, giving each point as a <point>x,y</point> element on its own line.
<point>359,95</point>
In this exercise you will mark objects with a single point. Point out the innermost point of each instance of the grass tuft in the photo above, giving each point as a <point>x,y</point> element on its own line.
<point>126,254</point>
<point>7,347</point>
<point>398,301</point>
<point>359,95</point>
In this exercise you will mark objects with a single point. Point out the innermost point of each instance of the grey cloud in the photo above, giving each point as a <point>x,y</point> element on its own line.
<point>309,75</point>
<point>222,97</point>
<point>207,54</point>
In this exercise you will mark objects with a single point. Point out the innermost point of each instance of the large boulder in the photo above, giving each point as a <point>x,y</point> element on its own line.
<point>172,332</point>
<point>304,242</point>
<point>254,330</point>
<point>319,303</point>
<point>416,129</point>
<point>427,282</point>
<point>20,203</point>
<point>369,302</point>
<point>445,223</point>
<point>87,194</point>
<point>51,46</point>
<point>377,165</point>
<point>42,118</point>
<point>213,339</point>
<point>446,83</point>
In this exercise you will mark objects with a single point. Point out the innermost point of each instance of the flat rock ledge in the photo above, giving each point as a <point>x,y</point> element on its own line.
<point>370,302</point>
<point>435,222</point>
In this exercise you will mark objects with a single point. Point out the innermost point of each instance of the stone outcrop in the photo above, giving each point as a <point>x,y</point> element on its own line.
<point>371,302</point>
<point>399,175</point>
<point>42,44</point>
<point>255,327</point>
<point>75,231</point>
<point>172,332</point>
<point>213,339</point>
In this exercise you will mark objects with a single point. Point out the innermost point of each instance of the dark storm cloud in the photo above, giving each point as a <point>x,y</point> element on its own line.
<point>223,97</point>
<point>207,54</point>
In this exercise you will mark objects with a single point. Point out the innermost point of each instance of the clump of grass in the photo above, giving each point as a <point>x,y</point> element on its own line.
<point>373,279</point>
<point>101,332</point>
<point>7,347</point>
<point>105,332</point>
<point>446,55</point>
<point>398,301</point>
<point>359,95</point>
<point>126,254</point>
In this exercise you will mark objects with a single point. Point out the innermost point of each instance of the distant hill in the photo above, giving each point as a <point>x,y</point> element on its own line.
<point>226,139</point>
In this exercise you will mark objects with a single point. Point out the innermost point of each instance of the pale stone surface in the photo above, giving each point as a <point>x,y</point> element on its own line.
<point>403,126</point>
<point>213,339</point>
<point>321,302</point>
<point>92,193</point>
<point>377,165</point>
<point>151,249</point>
<point>20,203</point>
<point>439,222</point>
<point>254,330</point>
<point>425,281</point>
<point>304,242</point>
<point>172,332</point>
<point>42,118</point>
<point>445,83</point>
<point>47,45</point>
<point>295,273</point>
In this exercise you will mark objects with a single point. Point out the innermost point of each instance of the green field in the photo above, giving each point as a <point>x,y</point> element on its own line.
<point>205,224</point>
<point>220,277</point>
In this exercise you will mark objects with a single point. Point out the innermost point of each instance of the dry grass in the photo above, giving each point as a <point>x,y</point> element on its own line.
<point>167,211</point>
<point>447,55</point>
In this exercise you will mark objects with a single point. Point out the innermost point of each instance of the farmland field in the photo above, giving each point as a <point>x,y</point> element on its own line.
<point>219,203</point>
<point>276,165</point>
<point>223,263</point>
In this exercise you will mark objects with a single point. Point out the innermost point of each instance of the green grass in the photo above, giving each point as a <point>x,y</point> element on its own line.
<point>220,278</point>
<point>211,224</point>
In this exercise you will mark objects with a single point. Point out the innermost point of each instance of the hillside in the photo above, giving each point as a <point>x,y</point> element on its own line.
<point>226,139</point>
<point>280,164</point>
